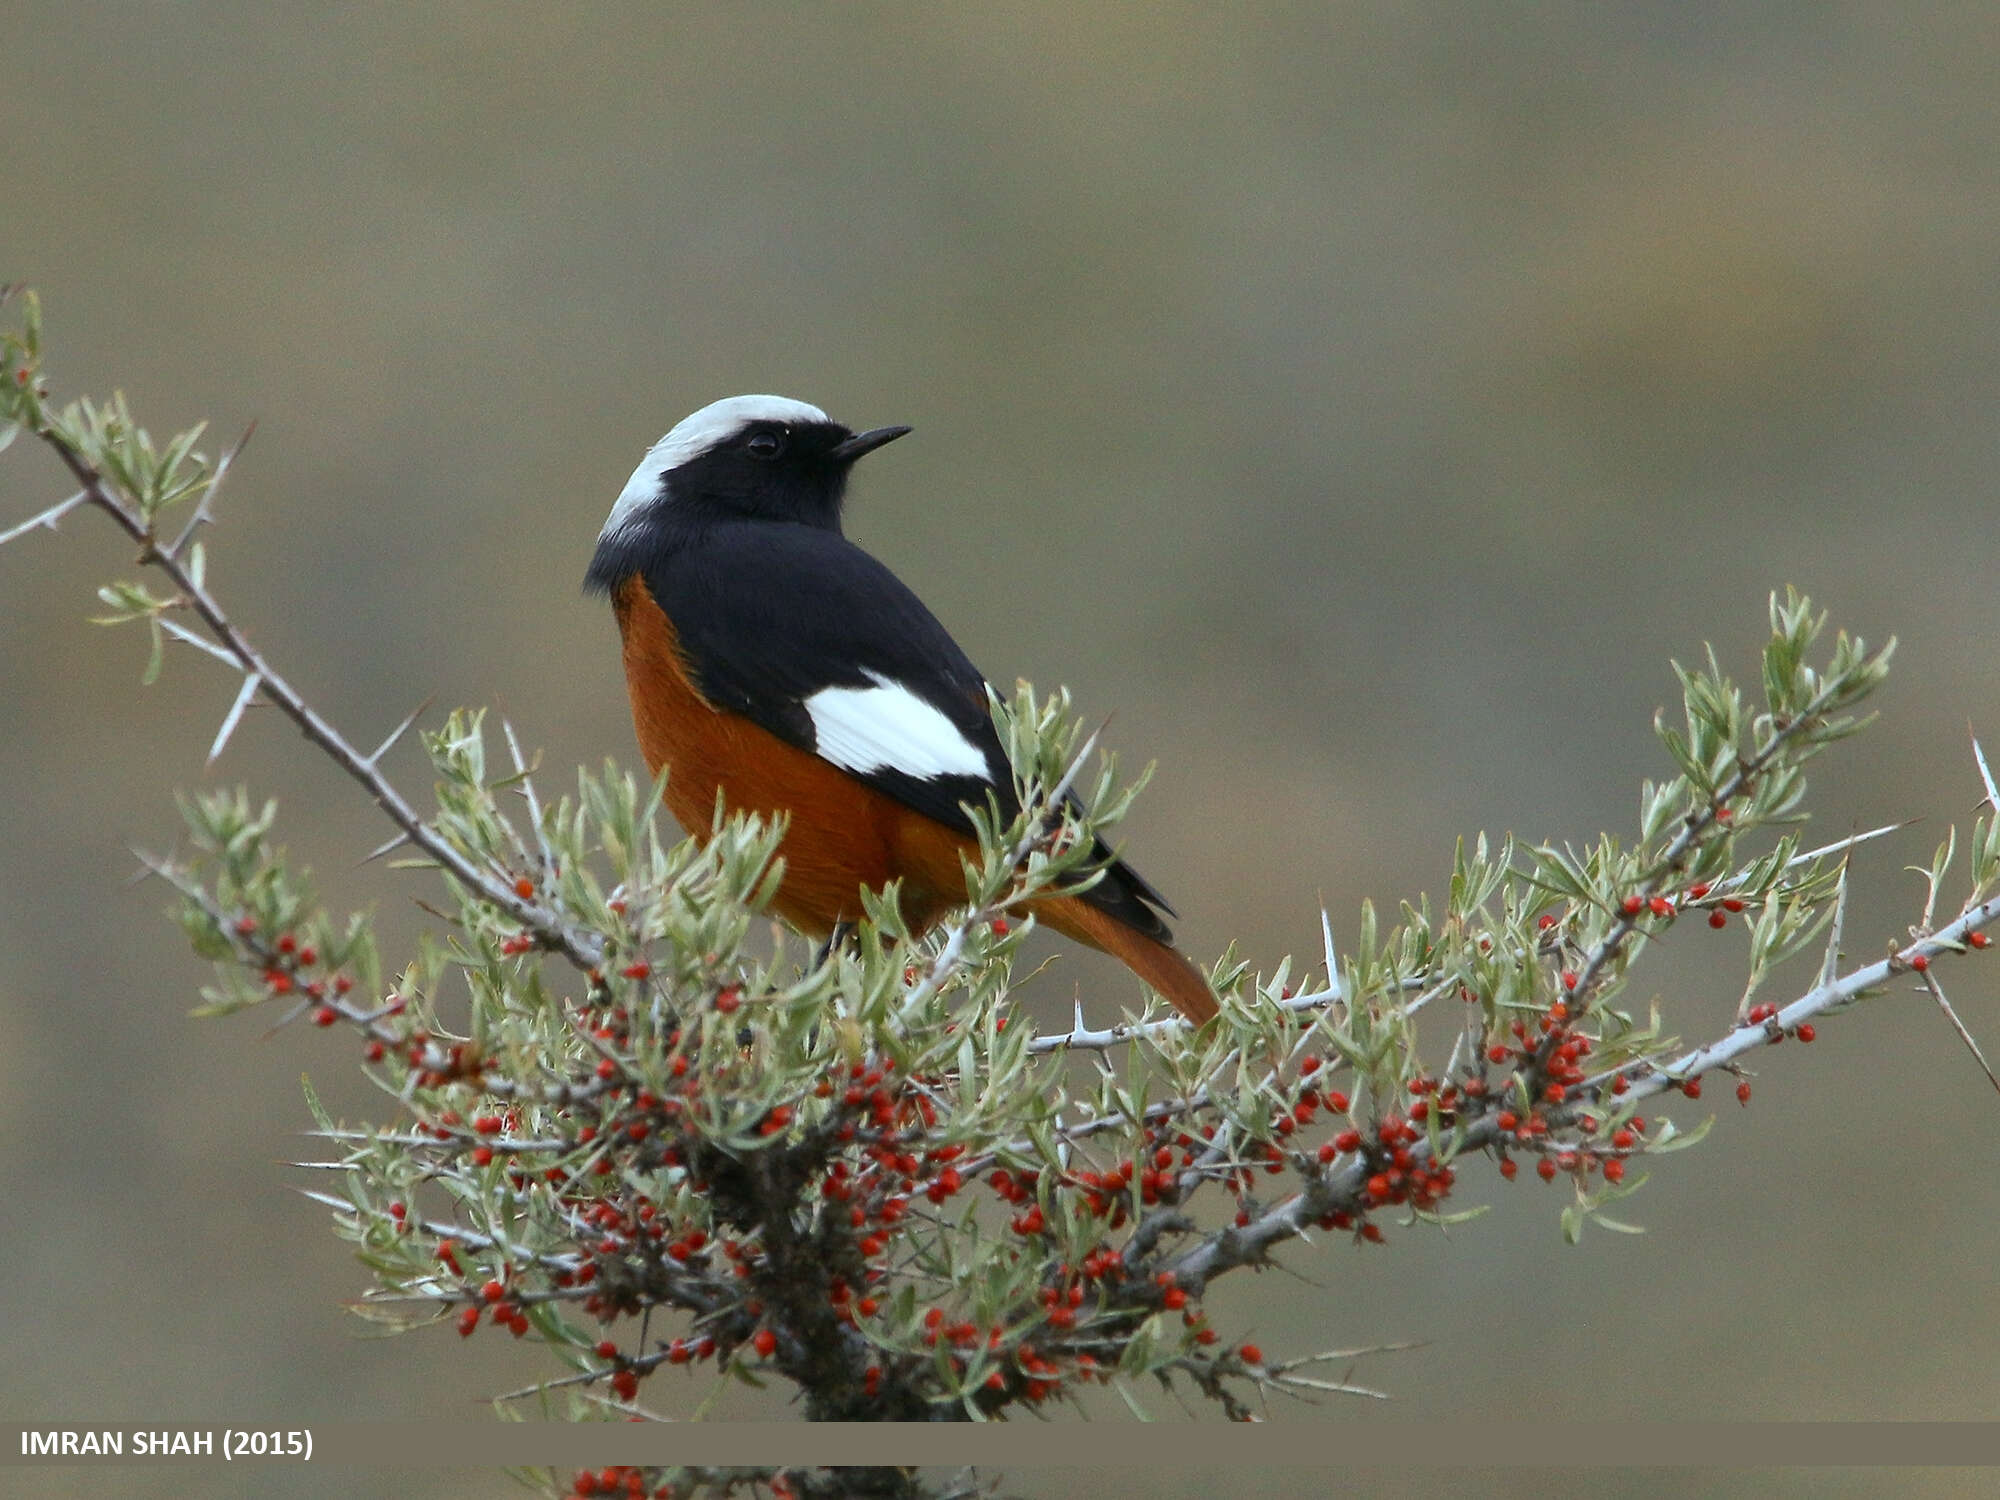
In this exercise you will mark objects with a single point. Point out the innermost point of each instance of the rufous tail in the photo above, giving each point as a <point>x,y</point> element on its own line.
<point>1166,969</point>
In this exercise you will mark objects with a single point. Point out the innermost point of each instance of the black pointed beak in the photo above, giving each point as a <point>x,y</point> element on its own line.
<point>864,442</point>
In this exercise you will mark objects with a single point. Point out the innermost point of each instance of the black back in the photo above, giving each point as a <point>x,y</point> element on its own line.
<point>771,604</point>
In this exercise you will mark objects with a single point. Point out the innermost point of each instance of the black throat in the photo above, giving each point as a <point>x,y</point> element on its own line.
<point>674,525</point>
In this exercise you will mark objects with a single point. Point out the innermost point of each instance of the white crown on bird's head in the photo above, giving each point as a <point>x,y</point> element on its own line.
<point>696,434</point>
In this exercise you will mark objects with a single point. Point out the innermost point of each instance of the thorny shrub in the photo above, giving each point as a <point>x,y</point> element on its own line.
<point>618,1122</point>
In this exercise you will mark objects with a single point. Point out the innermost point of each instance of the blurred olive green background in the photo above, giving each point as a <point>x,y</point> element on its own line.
<point>1361,404</point>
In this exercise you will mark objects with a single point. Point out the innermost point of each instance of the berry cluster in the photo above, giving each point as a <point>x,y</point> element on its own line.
<point>785,1225</point>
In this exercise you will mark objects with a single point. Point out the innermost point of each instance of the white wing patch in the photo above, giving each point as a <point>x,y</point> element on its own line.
<point>889,728</point>
<point>693,436</point>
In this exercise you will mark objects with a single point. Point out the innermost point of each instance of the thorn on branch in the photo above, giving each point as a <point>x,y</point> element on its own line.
<point>205,508</point>
<point>1951,1015</point>
<point>387,846</point>
<point>1992,799</point>
<point>251,682</point>
<point>47,518</point>
<point>375,757</point>
<point>187,637</point>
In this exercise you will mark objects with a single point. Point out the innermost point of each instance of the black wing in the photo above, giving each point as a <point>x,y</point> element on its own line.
<point>769,615</point>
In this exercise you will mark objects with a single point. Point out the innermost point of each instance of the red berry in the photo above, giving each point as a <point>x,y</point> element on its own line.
<point>1546,920</point>
<point>1692,1088</point>
<point>468,1319</point>
<point>626,1384</point>
<point>1000,927</point>
<point>493,1291</point>
<point>607,1349</point>
<point>1631,906</point>
<point>765,1342</point>
<point>1742,1093</point>
<point>1732,903</point>
<point>524,888</point>
<point>1614,1170</point>
<point>1623,1139</point>
<point>1805,1033</point>
<point>1717,919</point>
<point>1661,906</point>
<point>1174,1300</point>
<point>1252,1355</point>
<point>1920,963</point>
<point>1978,939</point>
<point>1546,1169</point>
<point>324,1015</point>
<point>637,971</point>
<point>1698,890</point>
<point>1508,1168</point>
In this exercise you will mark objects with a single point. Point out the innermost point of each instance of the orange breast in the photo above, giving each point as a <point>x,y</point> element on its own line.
<point>842,834</point>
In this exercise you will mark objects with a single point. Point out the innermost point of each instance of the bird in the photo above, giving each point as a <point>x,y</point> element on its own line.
<point>771,660</point>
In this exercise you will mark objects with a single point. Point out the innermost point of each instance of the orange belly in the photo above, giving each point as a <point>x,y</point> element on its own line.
<point>842,834</point>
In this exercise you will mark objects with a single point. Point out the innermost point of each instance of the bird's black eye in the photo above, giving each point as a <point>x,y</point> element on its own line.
<point>766,444</point>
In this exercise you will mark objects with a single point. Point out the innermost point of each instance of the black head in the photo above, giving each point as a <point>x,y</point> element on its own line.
<point>755,457</point>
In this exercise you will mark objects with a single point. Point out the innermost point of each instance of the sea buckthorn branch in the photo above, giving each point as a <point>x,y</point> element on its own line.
<point>125,477</point>
<point>1593,1127</point>
<point>1113,1037</point>
<point>489,1137</point>
<point>773,1163</point>
<point>1714,716</point>
<point>1783,889</point>
<point>1342,1198</point>
<point>1043,846</point>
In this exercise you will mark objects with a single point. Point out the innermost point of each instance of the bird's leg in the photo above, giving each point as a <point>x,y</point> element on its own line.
<point>842,931</point>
